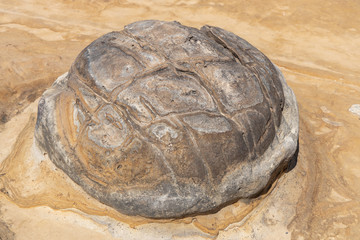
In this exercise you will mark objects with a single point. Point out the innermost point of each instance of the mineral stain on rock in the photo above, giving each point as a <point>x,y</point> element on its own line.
<point>5,232</point>
<point>161,120</point>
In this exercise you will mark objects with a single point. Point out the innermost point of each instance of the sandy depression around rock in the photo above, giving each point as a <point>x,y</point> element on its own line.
<point>162,120</point>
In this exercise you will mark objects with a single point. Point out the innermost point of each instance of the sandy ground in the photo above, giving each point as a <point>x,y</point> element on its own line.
<point>317,46</point>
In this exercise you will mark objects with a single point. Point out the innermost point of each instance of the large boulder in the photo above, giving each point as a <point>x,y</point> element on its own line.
<point>162,120</point>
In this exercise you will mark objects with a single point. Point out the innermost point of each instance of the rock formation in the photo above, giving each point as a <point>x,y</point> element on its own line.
<point>162,120</point>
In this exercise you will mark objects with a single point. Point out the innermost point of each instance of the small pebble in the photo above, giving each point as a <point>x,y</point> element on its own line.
<point>355,109</point>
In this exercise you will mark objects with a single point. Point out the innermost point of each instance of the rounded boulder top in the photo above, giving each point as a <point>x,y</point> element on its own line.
<point>162,120</point>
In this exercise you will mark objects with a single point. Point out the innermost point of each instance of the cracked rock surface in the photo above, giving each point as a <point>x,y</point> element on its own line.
<point>162,120</point>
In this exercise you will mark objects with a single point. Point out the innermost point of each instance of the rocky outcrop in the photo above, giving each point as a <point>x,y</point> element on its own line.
<point>162,120</point>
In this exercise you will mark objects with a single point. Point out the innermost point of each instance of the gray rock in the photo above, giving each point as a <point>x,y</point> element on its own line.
<point>162,120</point>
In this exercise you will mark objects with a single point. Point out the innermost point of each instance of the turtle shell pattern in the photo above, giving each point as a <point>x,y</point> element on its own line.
<point>150,119</point>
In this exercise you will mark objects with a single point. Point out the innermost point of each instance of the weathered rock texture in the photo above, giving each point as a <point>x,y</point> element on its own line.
<point>163,120</point>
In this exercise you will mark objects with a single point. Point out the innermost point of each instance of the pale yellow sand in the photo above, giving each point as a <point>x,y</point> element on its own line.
<point>315,44</point>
